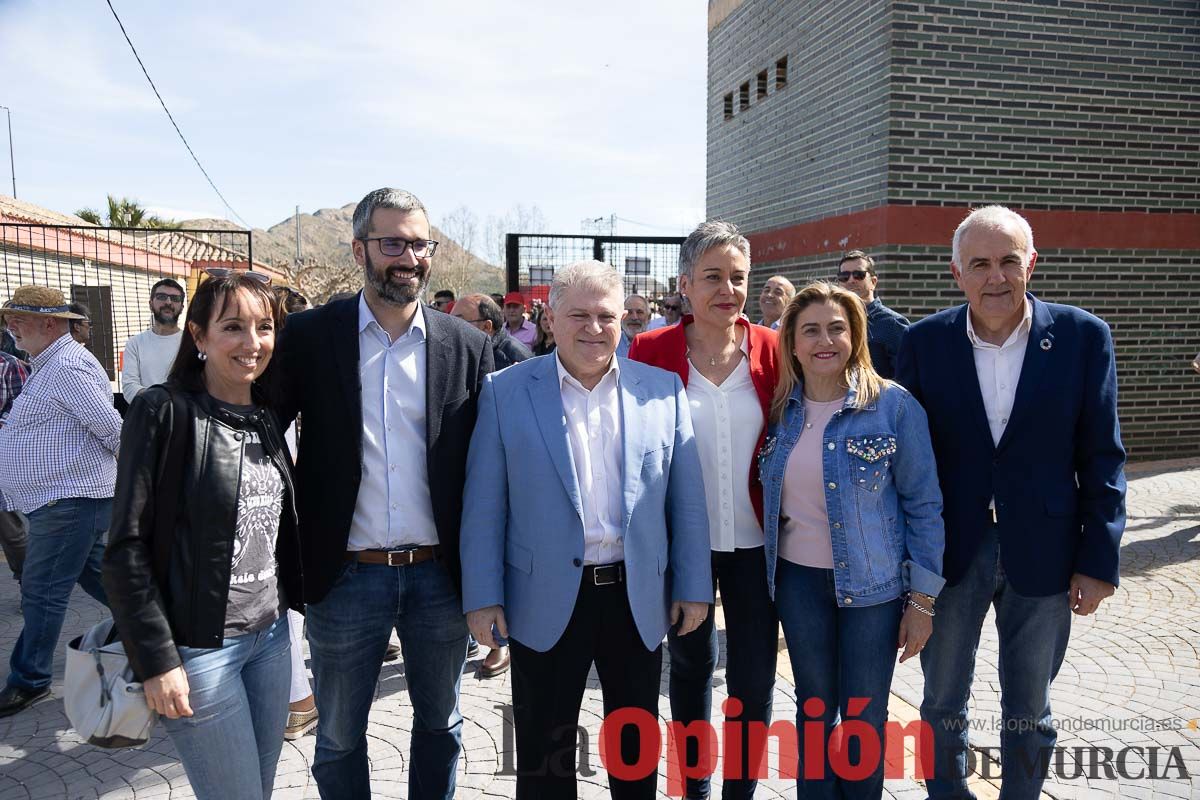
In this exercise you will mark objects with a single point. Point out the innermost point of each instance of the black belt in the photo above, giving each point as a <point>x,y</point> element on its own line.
<point>604,574</point>
<point>394,558</point>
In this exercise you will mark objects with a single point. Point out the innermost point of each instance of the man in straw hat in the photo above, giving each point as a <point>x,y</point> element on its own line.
<point>57,466</point>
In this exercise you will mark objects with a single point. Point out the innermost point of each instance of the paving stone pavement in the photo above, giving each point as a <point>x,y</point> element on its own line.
<point>1135,662</point>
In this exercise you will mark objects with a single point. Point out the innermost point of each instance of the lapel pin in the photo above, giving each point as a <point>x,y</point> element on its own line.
<point>1046,345</point>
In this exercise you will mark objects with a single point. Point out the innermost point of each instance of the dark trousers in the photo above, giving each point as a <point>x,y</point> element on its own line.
<point>548,690</point>
<point>751,645</point>
<point>13,528</point>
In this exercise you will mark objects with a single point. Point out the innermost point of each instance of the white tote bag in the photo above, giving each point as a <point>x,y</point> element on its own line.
<point>104,701</point>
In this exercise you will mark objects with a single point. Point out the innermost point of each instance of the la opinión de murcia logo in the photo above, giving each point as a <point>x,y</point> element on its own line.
<point>853,748</point>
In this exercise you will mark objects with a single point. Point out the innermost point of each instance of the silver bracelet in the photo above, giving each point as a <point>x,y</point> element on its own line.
<point>926,611</point>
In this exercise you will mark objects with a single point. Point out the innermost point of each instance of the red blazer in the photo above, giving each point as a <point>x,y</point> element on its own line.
<point>667,348</point>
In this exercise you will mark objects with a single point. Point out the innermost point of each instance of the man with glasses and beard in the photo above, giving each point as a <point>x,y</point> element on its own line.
<point>387,387</point>
<point>885,328</point>
<point>149,354</point>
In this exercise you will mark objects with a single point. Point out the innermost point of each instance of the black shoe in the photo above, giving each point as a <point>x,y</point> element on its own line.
<point>392,652</point>
<point>14,699</point>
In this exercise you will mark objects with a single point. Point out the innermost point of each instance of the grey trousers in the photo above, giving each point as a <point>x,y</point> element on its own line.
<point>13,530</point>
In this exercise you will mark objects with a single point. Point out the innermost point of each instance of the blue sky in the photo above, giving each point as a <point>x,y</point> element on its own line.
<point>583,109</point>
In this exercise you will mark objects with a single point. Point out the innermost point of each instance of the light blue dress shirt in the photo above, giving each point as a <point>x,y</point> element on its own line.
<point>394,508</point>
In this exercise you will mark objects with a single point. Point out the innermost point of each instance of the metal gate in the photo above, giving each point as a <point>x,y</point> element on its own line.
<point>649,264</point>
<point>111,271</point>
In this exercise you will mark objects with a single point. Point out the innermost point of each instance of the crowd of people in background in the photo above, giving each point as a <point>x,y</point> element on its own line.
<point>570,484</point>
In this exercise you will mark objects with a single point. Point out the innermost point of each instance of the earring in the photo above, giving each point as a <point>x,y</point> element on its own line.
<point>203,356</point>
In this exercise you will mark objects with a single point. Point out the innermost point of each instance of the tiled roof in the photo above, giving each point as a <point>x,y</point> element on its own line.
<point>190,247</point>
<point>14,210</point>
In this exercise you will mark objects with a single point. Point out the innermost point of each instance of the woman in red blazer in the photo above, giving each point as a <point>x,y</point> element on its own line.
<point>729,370</point>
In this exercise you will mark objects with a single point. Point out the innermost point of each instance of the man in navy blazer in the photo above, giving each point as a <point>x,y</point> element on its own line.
<point>584,536</point>
<point>1022,404</point>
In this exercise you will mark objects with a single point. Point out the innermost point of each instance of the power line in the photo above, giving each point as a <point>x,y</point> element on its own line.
<point>672,228</point>
<point>176,125</point>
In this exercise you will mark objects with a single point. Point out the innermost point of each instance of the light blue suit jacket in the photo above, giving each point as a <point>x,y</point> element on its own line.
<point>522,530</point>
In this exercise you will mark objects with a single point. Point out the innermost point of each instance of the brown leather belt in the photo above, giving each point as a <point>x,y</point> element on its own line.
<point>394,558</point>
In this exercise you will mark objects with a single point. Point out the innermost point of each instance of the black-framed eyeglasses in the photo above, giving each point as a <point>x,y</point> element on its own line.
<point>667,307</point>
<point>166,297</point>
<point>225,272</point>
<point>857,274</point>
<point>395,246</point>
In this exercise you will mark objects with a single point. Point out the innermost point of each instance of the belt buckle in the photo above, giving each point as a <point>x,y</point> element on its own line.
<point>400,563</point>
<point>616,572</point>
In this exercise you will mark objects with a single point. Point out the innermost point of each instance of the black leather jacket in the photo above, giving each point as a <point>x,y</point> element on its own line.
<point>190,609</point>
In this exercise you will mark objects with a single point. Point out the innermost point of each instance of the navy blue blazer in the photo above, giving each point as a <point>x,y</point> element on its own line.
<point>1057,473</point>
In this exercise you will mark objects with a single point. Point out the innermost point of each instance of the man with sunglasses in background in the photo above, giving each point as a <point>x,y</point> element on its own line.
<point>387,389</point>
<point>443,300</point>
<point>885,328</point>
<point>149,354</point>
<point>672,309</point>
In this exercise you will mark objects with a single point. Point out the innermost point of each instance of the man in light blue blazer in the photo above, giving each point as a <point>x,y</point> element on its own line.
<point>584,535</point>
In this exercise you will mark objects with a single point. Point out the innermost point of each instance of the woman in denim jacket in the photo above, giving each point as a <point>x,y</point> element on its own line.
<point>853,530</point>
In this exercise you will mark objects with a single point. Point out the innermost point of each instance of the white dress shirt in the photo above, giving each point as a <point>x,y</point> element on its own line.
<point>727,420</point>
<point>999,370</point>
<point>594,440</point>
<point>393,508</point>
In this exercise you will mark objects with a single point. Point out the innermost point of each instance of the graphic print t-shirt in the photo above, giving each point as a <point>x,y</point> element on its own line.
<point>254,596</point>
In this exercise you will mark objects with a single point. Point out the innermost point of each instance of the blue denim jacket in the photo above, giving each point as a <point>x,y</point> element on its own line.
<point>881,492</point>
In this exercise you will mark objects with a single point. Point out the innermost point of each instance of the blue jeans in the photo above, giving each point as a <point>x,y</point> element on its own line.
<point>1033,640</point>
<point>751,645</point>
<point>348,632</point>
<point>840,656</point>
<point>239,697</point>
<point>64,546</point>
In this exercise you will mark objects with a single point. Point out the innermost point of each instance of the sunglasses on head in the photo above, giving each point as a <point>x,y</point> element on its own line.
<point>225,272</point>
<point>857,274</point>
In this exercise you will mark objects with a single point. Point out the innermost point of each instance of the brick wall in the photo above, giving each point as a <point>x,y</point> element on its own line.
<point>1066,104</point>
<point>1072,106</point>
<point>1148,298</point>
<point>817,146</point>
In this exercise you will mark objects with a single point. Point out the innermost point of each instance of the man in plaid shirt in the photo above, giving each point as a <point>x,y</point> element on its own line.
<point>57,466</point>
<point>13,372</point>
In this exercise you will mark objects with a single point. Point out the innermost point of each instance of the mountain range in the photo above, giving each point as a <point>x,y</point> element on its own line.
<point>327,266</point>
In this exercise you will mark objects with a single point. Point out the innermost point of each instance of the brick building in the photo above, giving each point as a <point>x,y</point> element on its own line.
<point>876,124</point>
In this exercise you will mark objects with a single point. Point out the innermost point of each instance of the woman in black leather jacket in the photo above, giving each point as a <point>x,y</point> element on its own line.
<point>200,608</point>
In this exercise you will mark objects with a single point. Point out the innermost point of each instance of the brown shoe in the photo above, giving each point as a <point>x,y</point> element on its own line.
<point>392,652</point>
<point>496,663</point>
<point>300,723</point>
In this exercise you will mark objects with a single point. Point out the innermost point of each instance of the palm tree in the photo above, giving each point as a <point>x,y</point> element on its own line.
<point>125,213</point>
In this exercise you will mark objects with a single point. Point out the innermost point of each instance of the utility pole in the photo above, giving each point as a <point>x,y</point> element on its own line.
<point>11,163</point>
<point>596,227</point>
<point>297,236</point>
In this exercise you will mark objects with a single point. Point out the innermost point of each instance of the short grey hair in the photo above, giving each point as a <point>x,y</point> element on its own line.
<point>990,217</point>
<point>710,234</point>
<point>594,276</point>
<point>383,198</point>
<point>645,302</point>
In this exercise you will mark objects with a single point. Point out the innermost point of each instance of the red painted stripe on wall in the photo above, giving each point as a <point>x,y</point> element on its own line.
<point>934,225</point>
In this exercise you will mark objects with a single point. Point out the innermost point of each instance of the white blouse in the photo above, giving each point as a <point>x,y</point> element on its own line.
<point>728,420</point>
